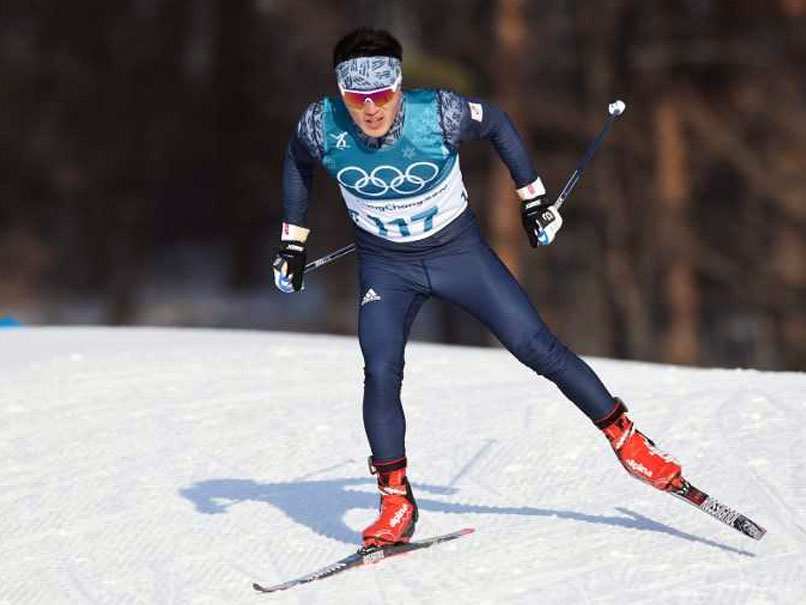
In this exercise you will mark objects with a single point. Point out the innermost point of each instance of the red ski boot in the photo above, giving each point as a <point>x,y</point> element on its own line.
<point>637,452</point>
<point>398,510</point>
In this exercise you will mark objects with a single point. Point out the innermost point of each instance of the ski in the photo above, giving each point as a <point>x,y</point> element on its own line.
<point>698,498</point>
<point>364,556</point>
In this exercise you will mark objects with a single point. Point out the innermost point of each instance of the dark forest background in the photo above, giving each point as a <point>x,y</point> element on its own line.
<point>141,145</point>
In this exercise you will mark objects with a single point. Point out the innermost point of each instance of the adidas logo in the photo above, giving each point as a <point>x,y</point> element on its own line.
<point>370,296</point>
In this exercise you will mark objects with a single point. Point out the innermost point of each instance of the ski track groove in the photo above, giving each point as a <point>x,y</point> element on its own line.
<point>766,492</point>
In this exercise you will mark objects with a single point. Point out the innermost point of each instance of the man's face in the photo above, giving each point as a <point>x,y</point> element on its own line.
<point>374,118</point>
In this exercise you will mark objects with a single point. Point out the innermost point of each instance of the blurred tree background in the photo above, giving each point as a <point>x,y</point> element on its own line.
<point>141,144</point>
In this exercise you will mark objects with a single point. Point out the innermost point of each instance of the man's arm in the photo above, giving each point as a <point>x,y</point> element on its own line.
<point>470,119</point>
<point>301,155</point>
<point>303,150</point>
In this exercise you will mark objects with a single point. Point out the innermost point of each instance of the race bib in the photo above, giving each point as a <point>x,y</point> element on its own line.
<point>404,219</point>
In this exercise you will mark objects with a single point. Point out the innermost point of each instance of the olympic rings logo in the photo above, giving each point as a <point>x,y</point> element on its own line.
<point>413,180</point>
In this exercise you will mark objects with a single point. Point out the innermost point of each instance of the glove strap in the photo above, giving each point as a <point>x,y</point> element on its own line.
<point>529,204</point>
<point>294,246</point>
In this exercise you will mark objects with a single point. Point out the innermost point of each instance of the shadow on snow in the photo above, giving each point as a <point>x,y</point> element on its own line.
<point>321,506</point>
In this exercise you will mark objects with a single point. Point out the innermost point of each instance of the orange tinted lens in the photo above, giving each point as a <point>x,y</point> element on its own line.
<point>353,99</point>
<point>356,100</point>
<point>382,97</point>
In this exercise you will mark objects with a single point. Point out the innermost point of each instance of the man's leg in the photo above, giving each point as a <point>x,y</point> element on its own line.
<point>478,281</point>
<point>391,295</point>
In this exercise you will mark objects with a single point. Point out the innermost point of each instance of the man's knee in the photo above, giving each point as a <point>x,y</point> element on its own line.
<point>383,374</point>
<point>542,352</point>
<point>382,407</point>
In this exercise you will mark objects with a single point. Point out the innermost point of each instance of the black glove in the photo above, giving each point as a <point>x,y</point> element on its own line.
<point>289,266</point>
<point>541,221</point>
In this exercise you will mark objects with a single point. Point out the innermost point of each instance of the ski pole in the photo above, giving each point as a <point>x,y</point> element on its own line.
<point>615,109</point>
<point>315,264</point>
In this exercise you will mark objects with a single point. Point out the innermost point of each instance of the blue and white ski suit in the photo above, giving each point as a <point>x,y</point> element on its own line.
<point>417,238</point>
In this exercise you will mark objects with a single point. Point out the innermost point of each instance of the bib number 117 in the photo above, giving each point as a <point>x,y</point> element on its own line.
<point>404,226</point>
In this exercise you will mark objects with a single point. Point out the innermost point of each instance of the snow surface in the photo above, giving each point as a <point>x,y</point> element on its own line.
<point>178,466</point>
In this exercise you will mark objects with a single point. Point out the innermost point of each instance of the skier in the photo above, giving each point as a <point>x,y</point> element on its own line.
<point>395,156</point>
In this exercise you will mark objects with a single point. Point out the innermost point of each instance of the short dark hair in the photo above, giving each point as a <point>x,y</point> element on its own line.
<point>367,42</point>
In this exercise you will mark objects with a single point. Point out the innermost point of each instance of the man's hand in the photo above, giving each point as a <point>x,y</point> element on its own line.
<point>289,262</point>
<point>541,221</point>
<point>289,266</point>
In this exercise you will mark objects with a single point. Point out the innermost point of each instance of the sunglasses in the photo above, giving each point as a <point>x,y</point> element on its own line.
<point>356,99</point>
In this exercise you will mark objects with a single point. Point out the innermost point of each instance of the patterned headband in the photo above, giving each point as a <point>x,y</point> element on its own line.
<point>368,73</point>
